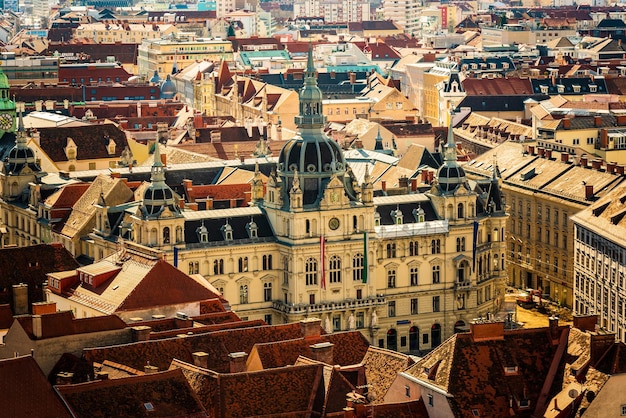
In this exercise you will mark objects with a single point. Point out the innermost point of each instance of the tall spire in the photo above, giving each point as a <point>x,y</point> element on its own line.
<point>450,151</point>
<point>21,137</point>
<point>157,172</point>
<point>378,146</point>
<point>311,116</point>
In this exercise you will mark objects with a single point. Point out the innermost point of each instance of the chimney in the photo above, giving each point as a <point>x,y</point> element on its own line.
<point>424,176</point>
<point>431,175</point>
<point>599,344</point>
<point>201,359</point>
<point>310,327</point>
<point>164,159</point>
<point>548,153</point>
<point>597,121</point>
<point>37,326</point>
<point>604,138</point>
<point>413,185</point>
<point>553,324</point>
<point>40,308</point>
<point>181,203</point>
<point>564,157</point>
<point>140,333</point>
<point>585,322</point>
<point>621,120</point>
<point>64,378</point>
<point>188,184</point>
<point>403,182</point>
<point>583,160</point>
<point>323,352</point>
<point>567,123</point>
<point>486,331</point>
<point>115,175</point>
<point>238,362</point>
<point>352,78</point>
<point>596,164</point>
<point>610,167</point>
<point>588,191</point>
<point>619,169</point>
<point>149,369</point>
<point>541,151</point>
<point>358,144</point>
<point>531,149</point>
<point>20,299</point>
<point>383,185</point>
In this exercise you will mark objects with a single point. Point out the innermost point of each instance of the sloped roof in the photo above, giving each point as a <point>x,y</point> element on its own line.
<point>25,392</point>
<point>296,391</point>
<point>165,394</point>
<point>217,344</point>
<point>30,265</point>
<point>90,141</point>
<point>381,368</point>
<point>497,86</point>
<point>63,323</point>
<point>473,371</point>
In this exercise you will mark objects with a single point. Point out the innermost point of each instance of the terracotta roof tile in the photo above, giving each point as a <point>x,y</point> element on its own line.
<point>30,265</point>
<point>381,369</point>
<point>297,391</point>
<point>165,394</point>
<point>90,141</point>
<point>63,323</point>
<point>25,392</point>
<point>217,344</point>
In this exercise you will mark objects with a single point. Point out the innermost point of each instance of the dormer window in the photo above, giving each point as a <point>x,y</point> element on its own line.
<point>544,89</point>
<point>227,232</point>
<point>511,370</point>
<point>111,147</point>
<point>203,233</point>
<point>70,149</point>
<point>593,88</point>
<point>419,214</point>
<point>397,216</point>
<point>252,228</point>
<point>576,88</point>
<point>376,218</point>
<point>560,88</point>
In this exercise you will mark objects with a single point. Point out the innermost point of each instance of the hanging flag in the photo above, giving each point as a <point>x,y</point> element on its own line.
<point>175,256</point>
<point>365,266</point>
<point>323,270</point>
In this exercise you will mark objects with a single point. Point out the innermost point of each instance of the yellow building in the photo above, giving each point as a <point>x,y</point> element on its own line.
<point>126,33</point>
<point>163,55</point>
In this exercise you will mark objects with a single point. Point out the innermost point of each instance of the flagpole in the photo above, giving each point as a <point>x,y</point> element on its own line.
<point>323,264</point>
<point>365,265</point>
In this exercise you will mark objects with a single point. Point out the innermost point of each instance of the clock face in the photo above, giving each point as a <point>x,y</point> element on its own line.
<point>6,121</point>
<point>333,223</point>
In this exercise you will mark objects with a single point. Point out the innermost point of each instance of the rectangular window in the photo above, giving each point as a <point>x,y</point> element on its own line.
<point>431,400</point>
<point>413,274</point>
<point>435,303</point>
<point>360,320</point>
<point>336,323</point>
<point>436,274</point>
<point>407,391</point>
<point>414,307</point>
<point>268,319</point>
<point>92,166</point>
<point>391,309</point>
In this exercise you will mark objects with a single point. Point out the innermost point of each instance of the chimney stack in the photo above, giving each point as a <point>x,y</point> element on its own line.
<point>238,362</point>
<point>585,322</point>
<point>583,160</point>
<point>548,153</point>
<point>531,149</point>
<point>140,333</point>
<point>567,123</point>
<point>383,185</point>
<point>311,327</point>
<point>619,169</point>
<point>597,121</point>
<point>20,299</point>
<point>323,352</point>
<point>596,164</point>
<point>413,185</point>
<point>541,151</point>
<point>201,359</point>
<point>564,157</point>
<point>588,191</point>
<point>424,176</point>
<point>610,167</point>
<point>403,182</point>
<point>40,308</point>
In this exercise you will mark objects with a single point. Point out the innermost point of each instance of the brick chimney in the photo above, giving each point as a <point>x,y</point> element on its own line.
<point>564,157</point>
<point>140,333</point>
<point>238,362</point>
<point>383,185</point>
<point>599,344</point>
<point>553,324</point>
<point>597,121</point>
<point>586,322</point>
<point>40,308</point>
<point>424,176</point>
<point>596,164</point>
<point>20,299</point>
<point>323,352</point>
<point>567,123</point>
<point>610,167</point>
<point>413,185</point>
<point>541,152</point>
<point>485,331</point>
<point>583,160</point>
<point>201,359</point>
<point>619,169</point>
<point>311,327</point>
<point>548,153</point>
<point>403,182</point>
<point>588,191</point>
<point>531,149</point>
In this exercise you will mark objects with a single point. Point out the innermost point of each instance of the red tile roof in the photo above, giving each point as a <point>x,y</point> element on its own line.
<point>217,344</point>
<point>165,394</point>
<point>207,328</point>
<point>90,141</point>
<point>6,316</point>
<point>30,265</point>
<point>63,323</point>
<point>295,391</point>
<point>218,192</point>
<point>180,289</point>
<point>25,392</point>
<point>497,86</point>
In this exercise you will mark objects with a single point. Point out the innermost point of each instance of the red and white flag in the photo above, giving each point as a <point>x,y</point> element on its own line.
<point>322,262</point>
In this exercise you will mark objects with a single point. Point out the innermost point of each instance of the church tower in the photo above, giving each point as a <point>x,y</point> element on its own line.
<point>20,168</point>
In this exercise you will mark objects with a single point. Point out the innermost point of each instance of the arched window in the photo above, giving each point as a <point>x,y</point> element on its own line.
<point>310,271</point>
<point>194,267</point>
<point>391,250</point>
<point>166,235</point>
<point>391,278</point>
<point>218,266</point>
<point>285,270</point>
<point>334,269</point>
<point>243,294</point>
<point>460,244</point>
<point>267,292</point>
<point>460,209</point>
<point>414,339</point>
<point>435,335</point>
<point>179,234</point>
<point>243,264</point>
<point>357,267</point>
<point>413,248</point>
<point>435,246</point>
<point>392,339</point>
<point>462,272</point>
<point>414,276</point>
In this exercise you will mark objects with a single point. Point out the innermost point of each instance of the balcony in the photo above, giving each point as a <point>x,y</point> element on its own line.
<point>464,285</point>
<point>323,307</point>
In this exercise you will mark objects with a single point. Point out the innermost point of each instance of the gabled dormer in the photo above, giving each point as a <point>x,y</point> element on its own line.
<point>71,149</point>
<point>227,231</point>
<point>203,233</point>
<point>110,145</point>
<point>252,229</point>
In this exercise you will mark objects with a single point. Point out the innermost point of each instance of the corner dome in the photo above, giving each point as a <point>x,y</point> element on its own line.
<point>168,88</point>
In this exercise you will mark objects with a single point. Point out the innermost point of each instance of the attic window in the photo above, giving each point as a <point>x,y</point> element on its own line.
<point>475,412</point>
<point>377,218</point>
<point>524,403</point>
<point>252,228</point>
<point>544,89</point>
<point>560,88</point>
<point>598,211</point>
<point>511,370</point>
<point>149,407</point>
<point>203,233</point>
<point>593,88</point>
<point>576,88</point>
<point>227,232</point>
